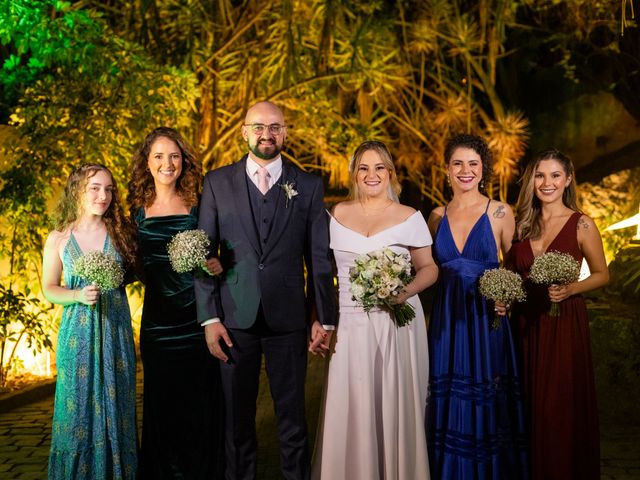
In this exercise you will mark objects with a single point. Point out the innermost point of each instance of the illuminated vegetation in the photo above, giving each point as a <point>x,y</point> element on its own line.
<point>85,81</point>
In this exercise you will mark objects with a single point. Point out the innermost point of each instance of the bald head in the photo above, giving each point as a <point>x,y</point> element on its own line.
<point>263,110</point>
<point>264,131</point>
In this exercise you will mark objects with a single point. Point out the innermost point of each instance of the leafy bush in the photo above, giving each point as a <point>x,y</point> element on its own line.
<point>22,318</point>
<point>625,272</point>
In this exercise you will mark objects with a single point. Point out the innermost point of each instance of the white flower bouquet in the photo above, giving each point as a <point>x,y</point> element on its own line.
<point>501,285</point>
<point>554,268</point>
<point>379,276</point>
<point>188,251</point>
<point>101,269</point>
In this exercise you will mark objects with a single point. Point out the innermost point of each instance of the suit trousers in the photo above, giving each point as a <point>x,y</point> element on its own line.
<point>285,355</point>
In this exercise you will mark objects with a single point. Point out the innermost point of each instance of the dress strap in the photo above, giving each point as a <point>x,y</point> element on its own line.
<point>445,210</point>
<point>487,209</point>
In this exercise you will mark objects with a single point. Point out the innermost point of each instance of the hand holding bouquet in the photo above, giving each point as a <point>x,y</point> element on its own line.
<point>501,285</point>
<point>100,269</point>
<point>188,251</point>
<point>376,280</point>
<point>554,268</point>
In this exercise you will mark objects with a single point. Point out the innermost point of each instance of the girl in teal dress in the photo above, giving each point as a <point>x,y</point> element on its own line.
<point>94,426</point>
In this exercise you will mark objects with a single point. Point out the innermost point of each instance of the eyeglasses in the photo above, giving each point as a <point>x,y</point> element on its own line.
<point>258,128</point>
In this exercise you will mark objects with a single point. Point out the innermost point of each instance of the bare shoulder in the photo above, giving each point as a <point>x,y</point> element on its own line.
<point>404,211</point>
<point>434,218</point>
<point>585,223</point>
<point>342,208</point>
<point>437,213</point>
<point>57,238</point>
<point>587,228</point>
<point>500,210</point>
<point>57,241</point>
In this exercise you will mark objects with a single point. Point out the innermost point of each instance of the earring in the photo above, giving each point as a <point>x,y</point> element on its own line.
<point>448,180</point>
<point>481,184</point>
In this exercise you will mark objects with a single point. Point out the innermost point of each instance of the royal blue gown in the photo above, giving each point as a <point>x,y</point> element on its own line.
<point>475,420</point>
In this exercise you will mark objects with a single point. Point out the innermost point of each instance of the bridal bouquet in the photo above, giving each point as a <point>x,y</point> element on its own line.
<point>101,269</point>
<point>501,285</point>
<point>554,268</point>
<point>379,276</point>
<point>188,251</point>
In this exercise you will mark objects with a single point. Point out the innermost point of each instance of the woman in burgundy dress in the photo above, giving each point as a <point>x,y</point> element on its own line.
<point>555,350</point>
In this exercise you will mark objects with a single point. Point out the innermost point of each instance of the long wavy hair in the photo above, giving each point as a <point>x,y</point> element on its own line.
<point>381,149</point>
<point>528,208</point>
<point>70,209</point>
<point>142,190</point>
<point>478,145</point>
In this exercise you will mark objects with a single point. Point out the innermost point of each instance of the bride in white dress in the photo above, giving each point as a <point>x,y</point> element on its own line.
<point>373,410</point>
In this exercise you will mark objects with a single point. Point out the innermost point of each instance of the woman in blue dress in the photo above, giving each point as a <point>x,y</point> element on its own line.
<point>94,428</point>
<point>181,419</point>
<point>475,422</point>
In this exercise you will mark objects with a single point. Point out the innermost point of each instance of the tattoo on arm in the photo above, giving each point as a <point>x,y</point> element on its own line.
<point>499,213</point>
<point>582,224</point>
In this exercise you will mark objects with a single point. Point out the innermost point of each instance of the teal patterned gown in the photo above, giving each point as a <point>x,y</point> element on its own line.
<point>94,429</point>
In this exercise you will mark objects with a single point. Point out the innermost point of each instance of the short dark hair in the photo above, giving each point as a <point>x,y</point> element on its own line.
<point>478,145</point>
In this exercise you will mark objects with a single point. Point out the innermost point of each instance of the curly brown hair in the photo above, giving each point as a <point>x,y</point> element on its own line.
<point>118,226</point>
<point>142,190</point>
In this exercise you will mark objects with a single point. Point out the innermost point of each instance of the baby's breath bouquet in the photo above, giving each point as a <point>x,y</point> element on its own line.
<point>554,268</point>
<point>188,251</point>
<point>501,285</point>
<point>379,276</point>
<point>101,269</point>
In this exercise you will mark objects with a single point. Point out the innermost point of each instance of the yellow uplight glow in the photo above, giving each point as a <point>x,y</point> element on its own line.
<point>628,222</point>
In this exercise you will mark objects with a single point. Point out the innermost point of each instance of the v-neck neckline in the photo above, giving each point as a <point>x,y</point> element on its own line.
<point>475,225</point>
<point>552,241</point>
<point>77,245</point>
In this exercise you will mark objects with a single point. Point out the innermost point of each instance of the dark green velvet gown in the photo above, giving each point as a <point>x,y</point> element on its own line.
<point>181,422</point>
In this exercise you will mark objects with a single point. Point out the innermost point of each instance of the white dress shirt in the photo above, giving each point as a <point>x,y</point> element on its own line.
<point>274,168</point>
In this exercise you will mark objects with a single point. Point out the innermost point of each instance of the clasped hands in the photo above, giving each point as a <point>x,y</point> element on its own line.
<point>216,332</point>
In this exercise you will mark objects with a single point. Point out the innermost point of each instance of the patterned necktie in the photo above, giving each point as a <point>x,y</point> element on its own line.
<point>263,180</point>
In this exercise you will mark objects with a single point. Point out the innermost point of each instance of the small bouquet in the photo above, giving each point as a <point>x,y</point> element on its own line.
<point>101,269</point>
<point>501,285</point>
<point>377,277</point>
<point>554,268</point>
<point>188,251</point>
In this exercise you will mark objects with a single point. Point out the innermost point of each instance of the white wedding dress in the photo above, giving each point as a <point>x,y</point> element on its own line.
<point>372,418</point>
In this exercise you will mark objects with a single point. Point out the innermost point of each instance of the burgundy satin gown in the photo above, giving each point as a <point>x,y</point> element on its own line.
<point>556,366</point>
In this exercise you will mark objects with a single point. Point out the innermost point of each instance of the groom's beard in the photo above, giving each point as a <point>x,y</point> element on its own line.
<point>266,149</point>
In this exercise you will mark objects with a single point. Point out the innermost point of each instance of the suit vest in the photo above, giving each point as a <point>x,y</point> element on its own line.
<point>263,208</point>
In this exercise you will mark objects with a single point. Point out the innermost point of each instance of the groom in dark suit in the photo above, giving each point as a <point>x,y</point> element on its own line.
<point>267,221</point>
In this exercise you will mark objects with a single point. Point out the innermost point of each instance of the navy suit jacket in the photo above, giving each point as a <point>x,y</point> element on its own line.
<point>273,273</point>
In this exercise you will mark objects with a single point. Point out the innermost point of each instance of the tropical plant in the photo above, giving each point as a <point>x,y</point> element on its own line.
<point>625,272</point>
<point>22,319</point>
<point>408,73</point>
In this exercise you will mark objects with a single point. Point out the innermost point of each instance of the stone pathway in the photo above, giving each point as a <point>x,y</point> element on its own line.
<point>25,436</point>
<point>25,432</point>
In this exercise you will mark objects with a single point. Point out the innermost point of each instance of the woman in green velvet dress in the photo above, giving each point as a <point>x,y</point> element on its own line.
<point>181,425</point>
<point>93,433</point>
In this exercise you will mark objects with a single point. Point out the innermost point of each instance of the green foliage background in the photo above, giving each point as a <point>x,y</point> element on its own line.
<point>85,81</point>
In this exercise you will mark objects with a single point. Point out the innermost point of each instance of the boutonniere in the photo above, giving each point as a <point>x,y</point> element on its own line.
<point>289,190</point>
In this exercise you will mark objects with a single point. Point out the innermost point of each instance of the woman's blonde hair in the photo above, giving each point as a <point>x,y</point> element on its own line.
<point>528,208</point>
<point>69,209</point>
<point>383,152</point>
